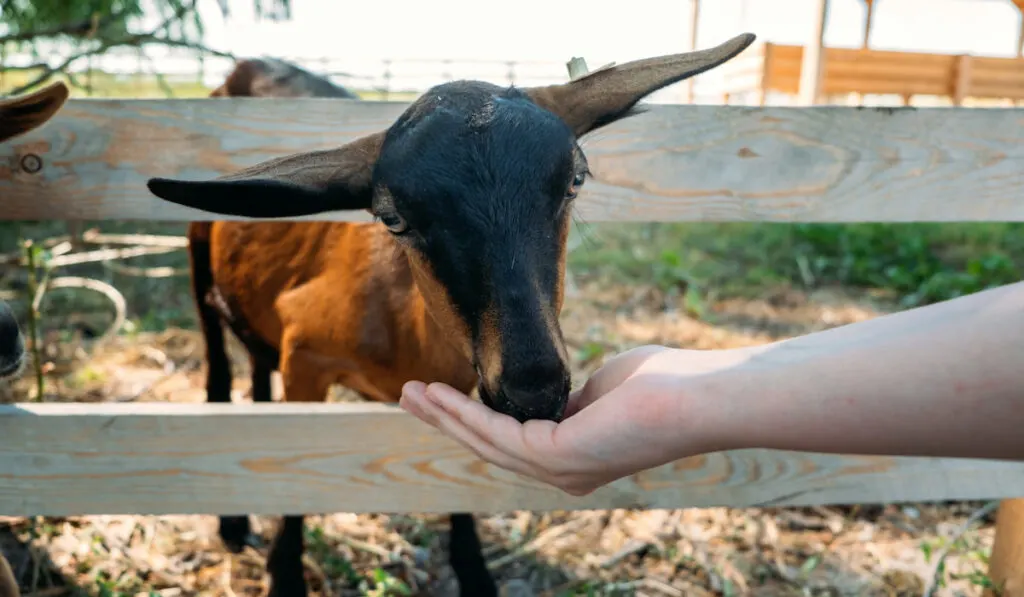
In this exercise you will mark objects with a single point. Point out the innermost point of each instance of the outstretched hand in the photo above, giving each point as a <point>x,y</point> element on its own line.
<point>631,415</point>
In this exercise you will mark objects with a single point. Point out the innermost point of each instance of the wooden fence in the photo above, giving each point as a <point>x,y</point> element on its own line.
<point>674,163</point>
<point>775,68</point>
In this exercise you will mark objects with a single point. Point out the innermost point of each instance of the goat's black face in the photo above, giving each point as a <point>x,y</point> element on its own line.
<point>476,183</point>
<point>12,345</point>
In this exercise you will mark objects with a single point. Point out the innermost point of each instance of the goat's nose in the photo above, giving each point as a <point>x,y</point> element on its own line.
<point>537,400</point>
<point>12,345</point>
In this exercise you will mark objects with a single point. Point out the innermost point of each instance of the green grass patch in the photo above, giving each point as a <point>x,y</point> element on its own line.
<point>918,263</point>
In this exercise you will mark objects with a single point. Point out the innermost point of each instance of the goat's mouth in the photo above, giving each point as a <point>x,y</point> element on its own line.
<point>12,369</point>
<point>549,410</point>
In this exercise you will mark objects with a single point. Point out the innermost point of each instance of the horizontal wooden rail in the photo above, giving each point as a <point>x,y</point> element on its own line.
<point>158,458</point>
<point>674,163</point>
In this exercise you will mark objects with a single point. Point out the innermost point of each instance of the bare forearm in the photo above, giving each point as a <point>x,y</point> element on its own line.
<point>942,380</point>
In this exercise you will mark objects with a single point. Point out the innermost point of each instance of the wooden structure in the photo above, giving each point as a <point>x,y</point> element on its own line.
<point>777,68</point>
<point>812,73</point>
<point>673,163</point>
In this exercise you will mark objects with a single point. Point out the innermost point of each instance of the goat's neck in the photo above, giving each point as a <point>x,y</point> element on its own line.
<point>434,336</point>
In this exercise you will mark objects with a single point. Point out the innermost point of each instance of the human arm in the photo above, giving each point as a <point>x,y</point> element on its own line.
<point>942,380</point>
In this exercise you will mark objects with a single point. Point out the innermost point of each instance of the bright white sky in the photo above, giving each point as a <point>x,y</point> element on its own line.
<point>340,36</point>
<point>555,30</point>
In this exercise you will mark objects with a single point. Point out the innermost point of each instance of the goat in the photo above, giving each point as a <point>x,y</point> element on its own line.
<point>459,278</point>
<point>19,115</point>
<point>272,77</point>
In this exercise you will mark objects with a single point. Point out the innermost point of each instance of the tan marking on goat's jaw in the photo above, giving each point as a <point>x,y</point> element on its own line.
<point>551,317</point>
<point>563,240</point>
<point>490,347</point>
<point>439,304</point>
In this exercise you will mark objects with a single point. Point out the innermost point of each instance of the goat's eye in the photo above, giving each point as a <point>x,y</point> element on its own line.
<point>395,222</point>
<point>577,182</point>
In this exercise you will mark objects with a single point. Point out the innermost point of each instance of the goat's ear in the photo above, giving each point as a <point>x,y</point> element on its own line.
<point>608,94</point>
<point>297,185</point>
<point>21,114</point>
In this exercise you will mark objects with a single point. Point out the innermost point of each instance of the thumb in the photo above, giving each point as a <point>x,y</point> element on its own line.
<point>618,369</point>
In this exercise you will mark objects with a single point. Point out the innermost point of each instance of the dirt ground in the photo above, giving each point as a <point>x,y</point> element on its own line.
<point>862,550</point>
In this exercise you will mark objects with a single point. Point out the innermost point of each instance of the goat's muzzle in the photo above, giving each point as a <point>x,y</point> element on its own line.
<point>529,397</point>
<point>12,344</point>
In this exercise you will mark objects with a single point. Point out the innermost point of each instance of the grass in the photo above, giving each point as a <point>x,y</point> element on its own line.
<point>915,264</point>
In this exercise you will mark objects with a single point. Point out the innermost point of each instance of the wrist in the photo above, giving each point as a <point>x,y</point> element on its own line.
<point>716,397</point>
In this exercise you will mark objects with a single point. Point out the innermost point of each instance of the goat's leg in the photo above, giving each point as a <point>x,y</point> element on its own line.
<point>261,386</point>
<point>234,531</point>
<point>284,561</point>
<point>303,382</point>
<point>465,554</point>
<point>8,584</point>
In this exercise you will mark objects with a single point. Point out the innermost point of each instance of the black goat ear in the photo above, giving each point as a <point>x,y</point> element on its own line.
<point>297,185</point>
<point>608,94</point>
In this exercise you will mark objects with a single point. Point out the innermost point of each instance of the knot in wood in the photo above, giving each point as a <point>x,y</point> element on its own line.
<point>31,163</point>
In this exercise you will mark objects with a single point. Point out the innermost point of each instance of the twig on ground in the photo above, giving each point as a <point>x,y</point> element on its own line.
<point>659,585</point>
<point>120,305</point>
<point>934,579</point>
<point>96,237</point>
<point>629,549</point>
<point>364,546</point>
<point>539,541</point>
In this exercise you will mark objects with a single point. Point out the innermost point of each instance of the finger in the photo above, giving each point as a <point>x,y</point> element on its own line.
<point>412,394</point>
<point>572,406</point>
<point>410,405</point>
<point>455,429</point>
<point>611,374</point>
<point>504,432</point>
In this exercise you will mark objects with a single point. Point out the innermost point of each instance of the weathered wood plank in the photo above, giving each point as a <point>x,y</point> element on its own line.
<point>158,458</point>
<point>675,163</point>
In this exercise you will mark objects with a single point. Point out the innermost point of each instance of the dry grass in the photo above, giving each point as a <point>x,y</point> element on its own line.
<point>874,550</point>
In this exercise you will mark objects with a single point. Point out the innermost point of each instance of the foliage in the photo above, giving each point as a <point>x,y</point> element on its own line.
<point>57,34</point>
<point>915,263</point>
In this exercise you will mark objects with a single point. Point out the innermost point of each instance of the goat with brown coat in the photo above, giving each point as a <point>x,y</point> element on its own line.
<point>19,115</point>
<point>272,77</point>
<point>459,281</point>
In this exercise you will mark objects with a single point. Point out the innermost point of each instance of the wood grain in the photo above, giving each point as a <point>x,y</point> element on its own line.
<point>673,163</point>
<point>158,458</point>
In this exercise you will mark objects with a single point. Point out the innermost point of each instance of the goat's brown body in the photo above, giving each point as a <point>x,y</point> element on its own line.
<point>335,300</point>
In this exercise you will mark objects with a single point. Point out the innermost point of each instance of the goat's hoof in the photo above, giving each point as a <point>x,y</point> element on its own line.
<point>236,546</point>
<point>295,588</point>
<point>482,589</point>
<point>235,534</point>
<point>516,587</point>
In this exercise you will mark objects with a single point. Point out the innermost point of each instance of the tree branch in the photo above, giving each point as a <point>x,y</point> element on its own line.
<point>134,40</point>
<point>77,28</point>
